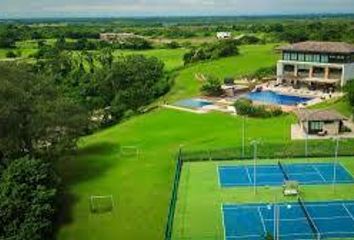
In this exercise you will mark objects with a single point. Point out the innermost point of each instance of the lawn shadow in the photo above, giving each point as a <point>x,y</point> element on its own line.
<point>89,162</point>
<point>86,164</point>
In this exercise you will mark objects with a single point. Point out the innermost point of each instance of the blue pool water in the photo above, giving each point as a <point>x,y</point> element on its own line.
<point>193,103</point>
<point>276,98</point>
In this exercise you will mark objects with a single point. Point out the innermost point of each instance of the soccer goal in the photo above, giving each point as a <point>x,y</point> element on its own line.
<point>130,151</point>
<point>101,203</point>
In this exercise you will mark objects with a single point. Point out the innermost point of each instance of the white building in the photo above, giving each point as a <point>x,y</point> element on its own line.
<point>316,64</point>
<point>223,35</point>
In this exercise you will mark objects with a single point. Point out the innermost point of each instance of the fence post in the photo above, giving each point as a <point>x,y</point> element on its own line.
<point>172,205</point>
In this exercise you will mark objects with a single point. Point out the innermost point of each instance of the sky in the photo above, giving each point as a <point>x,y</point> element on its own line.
<point>120,8</point>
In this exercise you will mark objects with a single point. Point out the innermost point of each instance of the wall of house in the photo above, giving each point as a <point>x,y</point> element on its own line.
<point>348,73</point>
<point>331,128</point>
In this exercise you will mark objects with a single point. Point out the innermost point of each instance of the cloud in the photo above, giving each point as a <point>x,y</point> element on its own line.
<point>174,7</point>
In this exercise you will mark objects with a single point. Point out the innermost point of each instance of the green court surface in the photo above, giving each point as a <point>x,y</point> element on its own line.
<point>200,197</point>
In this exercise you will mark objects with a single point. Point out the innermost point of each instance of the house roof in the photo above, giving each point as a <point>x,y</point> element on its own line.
<point>319,47</point>
<point>305,115</point>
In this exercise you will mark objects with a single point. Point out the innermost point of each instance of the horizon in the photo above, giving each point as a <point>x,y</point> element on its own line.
<point>23,9</point>
<point>78,17</point>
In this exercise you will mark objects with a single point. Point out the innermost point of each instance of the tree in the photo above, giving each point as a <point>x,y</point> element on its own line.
<point>35,117</point>
<point>27,200</point>
<point>349,88</point>
<point>212,86</point>
<point>133,81</point>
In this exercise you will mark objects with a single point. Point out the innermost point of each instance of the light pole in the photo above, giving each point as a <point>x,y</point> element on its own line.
<point>254,143</point>
<point>243,136</point>
<point>306,144</point>
<point>335,161</point>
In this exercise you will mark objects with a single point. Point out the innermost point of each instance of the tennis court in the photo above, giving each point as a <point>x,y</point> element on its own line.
<point>297,220</point>
<point>274,175</point>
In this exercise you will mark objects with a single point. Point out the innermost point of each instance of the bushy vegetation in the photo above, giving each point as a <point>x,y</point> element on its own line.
<point>208,51</point>
<point>27,200</point>
<point>245,107</point>
<point>46,105</point>
<point>264,72</point>
<point>212,86</point>
<point>349,88</point>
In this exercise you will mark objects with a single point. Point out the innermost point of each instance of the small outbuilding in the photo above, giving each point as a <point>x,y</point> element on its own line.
<point>320,122</point>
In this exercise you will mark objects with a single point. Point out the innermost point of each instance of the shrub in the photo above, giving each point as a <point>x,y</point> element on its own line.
<point>349,88</point>
<point>229,80</point>
<point>11,54</point>
<point>263,72</point>
<point>209,51</point>
<point>212,86</point>
<point>172,45</point>
<point>245,107</point>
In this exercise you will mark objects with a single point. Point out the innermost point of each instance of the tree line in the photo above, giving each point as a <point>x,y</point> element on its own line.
<point>46,106</point>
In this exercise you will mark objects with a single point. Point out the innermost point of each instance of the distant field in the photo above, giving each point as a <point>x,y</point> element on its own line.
<point>200,197</point>
<point>173,58</point>
<point>251,58</point>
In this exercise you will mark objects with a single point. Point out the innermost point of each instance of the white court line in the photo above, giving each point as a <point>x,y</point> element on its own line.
<point>248,175</point>
<point>218,175</point>
<point>346,170</point>
<point>282,235</point>
<point>285,219</point>
<point>319,173</point>
<point>294,204</point>
<point>350,214</point>
<point>223,220</point>
<point>262,220</point>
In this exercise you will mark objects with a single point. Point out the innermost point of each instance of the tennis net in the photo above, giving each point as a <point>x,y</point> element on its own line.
<point>309,219</point>
<point>286,176</point>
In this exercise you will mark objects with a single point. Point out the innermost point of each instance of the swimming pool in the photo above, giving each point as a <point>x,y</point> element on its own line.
<point>193,103</point>
<point>276,98</point>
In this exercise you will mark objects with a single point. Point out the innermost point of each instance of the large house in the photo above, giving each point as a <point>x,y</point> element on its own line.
<point>317,65</point>
<point>116,37</point>
<point>223,35</point>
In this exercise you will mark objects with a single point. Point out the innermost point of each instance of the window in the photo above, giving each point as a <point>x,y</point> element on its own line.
<point>308,58</point>
<point>286,56</point>
<point>301,57</point>
<point>316,57</point>
<point>293,56</point>
<point>316,126</point>
<point>324,58</point>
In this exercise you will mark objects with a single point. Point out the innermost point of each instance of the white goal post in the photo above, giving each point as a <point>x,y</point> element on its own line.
<point>130,150</point>
<point>101,203</point>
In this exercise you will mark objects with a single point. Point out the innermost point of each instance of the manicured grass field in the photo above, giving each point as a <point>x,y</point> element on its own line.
<point>341,105</point>
<point>251,58</point>
<point>141,187</point>
<point>173,58</point>
<point>200,197</point>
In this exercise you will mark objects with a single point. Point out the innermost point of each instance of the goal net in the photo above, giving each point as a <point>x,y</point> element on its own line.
<point>130,151</point>
<point>101,203</point>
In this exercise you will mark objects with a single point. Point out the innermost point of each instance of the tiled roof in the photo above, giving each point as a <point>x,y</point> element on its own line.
<point>320,47</point>
<point>319,115</point>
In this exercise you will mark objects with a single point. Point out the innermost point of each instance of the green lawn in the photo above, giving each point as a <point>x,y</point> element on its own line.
<point>200,197</point>
<point>251,58</point>
<point>173,58</point>
<point>341,105</point>
<point>141,187</point>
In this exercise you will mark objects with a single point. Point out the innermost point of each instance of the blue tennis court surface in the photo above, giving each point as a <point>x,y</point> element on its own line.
<point>274,175</point>
<point>254,221</point>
